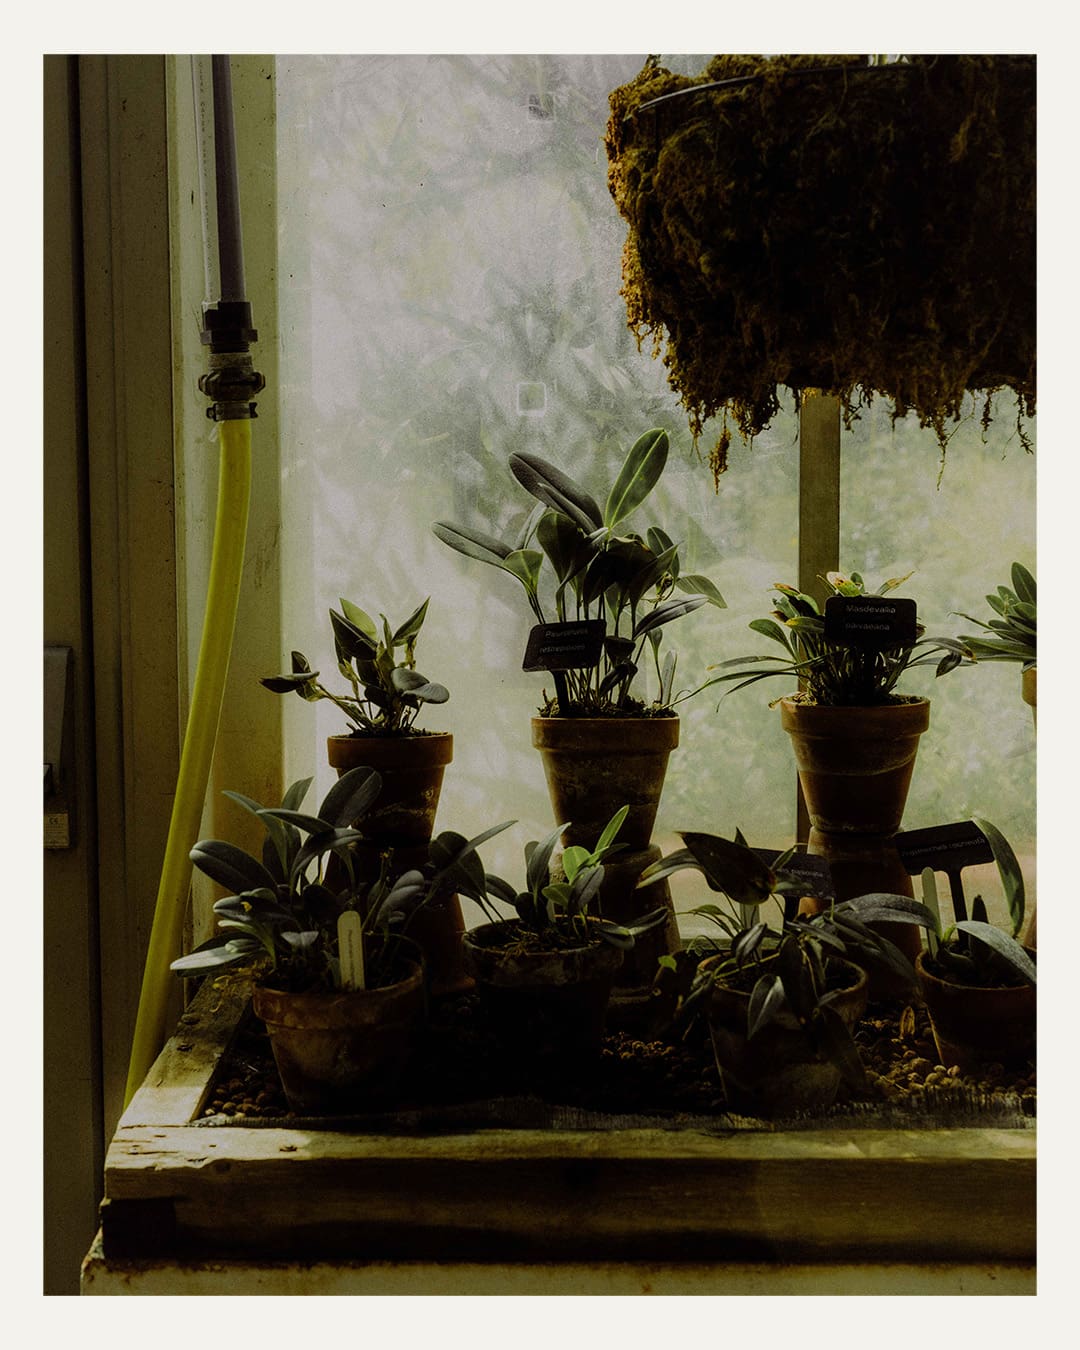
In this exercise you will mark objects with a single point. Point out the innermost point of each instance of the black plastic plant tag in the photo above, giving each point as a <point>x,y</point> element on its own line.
<point>565,646</point>
<point>877,621</point>
<point>945,848</point>
<point>811,871</point>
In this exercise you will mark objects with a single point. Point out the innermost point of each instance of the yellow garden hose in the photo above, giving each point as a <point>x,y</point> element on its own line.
<point>223,592</point>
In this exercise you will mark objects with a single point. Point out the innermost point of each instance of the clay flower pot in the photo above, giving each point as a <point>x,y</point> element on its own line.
<point>974,1026</point>
<point>548,1006</point>
<point>778,1072</point>
<point>855,767</point>
<point>411,768</point>
<point>403,819</point>
<point>342,1052</point>
<point>595,765</point>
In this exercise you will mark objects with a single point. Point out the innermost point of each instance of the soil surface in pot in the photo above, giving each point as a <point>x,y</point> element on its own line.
<point>459,1079</point>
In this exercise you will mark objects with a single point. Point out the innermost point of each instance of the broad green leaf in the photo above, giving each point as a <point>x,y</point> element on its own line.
<point>230,866</point>
<point>573,859</point>
<point>664,613</point>
<point>350,797</point>
<point>1023,583</point>
<point>472,543</point>
<point>1005,946</point>
<point>610,830</point>
<point>412,625</point>
<point>350,640</point>
<point>525,564</point>
<point>556,489</point>
<point>731,868</point>
<point>696,584</point>
<point>638,476</point>
<point>1012,878</point>
<point>767,1005</point>
<point>566,546</point>
<point>357,617</point>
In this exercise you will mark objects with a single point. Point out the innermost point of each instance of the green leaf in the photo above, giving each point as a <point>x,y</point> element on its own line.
<point>695,584</point>
<point>412,625</point>
<point>638,476</point>
<point>664,613</point>
<point>557,490</point>
<point>351,796</point>
<point>573,859</point>
<point>525,564</point>
<point>566,546</point>
<point>349,640</point>
<point>358,618</point>
<point>230,866</point>
<point>538,860</point>
<point>731,868</point>
<point>1012,878</point>
<point>768,1004</point>
<point>1023,583</point>
<point>1005,946</point>
<point>610,830</point>
<point>472,543</point>
<point>771,629</point>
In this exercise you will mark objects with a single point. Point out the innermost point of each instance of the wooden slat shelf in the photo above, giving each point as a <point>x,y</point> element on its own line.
<point>865,1196</point>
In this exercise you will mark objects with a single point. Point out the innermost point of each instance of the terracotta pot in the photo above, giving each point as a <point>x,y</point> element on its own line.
<point>412,770</point>
<point>543,1005</point>
<point>975,1026</point>
<point>855,767</point>
<point>595,765</point>
<point>777,1072</point>
<point>341,1052</point>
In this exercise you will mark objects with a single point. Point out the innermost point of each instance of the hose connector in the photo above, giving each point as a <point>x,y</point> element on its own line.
<point>231,382</point>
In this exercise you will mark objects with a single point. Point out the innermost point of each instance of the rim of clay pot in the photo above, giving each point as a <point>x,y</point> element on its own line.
<point>334,1007</point>
<point>608,733</point>
<point>955,987</point>
<point>494,965</point>
<point>857,990</point>
<point>818,719</point>
<point>419,749</point>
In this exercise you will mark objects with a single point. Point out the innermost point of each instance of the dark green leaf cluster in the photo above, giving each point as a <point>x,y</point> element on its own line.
<point>973,951</point>
<point>834,673</point>
<point>387,693</point>
<point>1012,631</point>
<point>790,968</point>
<point>632,582</point>
<point>284,906</point>
<point>559,909</point>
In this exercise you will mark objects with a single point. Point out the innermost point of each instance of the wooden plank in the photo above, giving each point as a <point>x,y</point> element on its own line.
<point>964,1195</point>
<point>175,1089</point>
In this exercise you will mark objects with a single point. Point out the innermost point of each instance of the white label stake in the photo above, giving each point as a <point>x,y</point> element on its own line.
<point>350,932</point>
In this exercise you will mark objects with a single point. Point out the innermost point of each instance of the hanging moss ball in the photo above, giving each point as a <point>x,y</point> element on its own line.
<point>824,222</point>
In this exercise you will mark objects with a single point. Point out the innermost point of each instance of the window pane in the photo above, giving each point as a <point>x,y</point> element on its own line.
<point>450,274</point>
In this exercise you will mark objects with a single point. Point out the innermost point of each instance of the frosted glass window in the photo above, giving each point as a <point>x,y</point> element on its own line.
<point>449,291</point>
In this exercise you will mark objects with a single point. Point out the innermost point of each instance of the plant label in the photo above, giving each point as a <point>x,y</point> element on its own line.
<point>812,871</point>
<point>350,931</point>
<point>945,848</point>
<point>875,621</point>
<point>565,646</point>
<point>948,849</point>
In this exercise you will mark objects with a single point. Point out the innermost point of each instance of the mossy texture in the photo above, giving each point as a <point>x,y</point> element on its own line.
<point>867,230</point>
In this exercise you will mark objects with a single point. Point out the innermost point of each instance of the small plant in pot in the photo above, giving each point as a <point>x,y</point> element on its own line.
<point>978,981</point>
<point>1011,634</point>
<point>339,982</point>
<point>384,698</point>
<point>854,735</point>
<point>781,1002</point>
<point>545,976</point>
<point>604,738</point>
